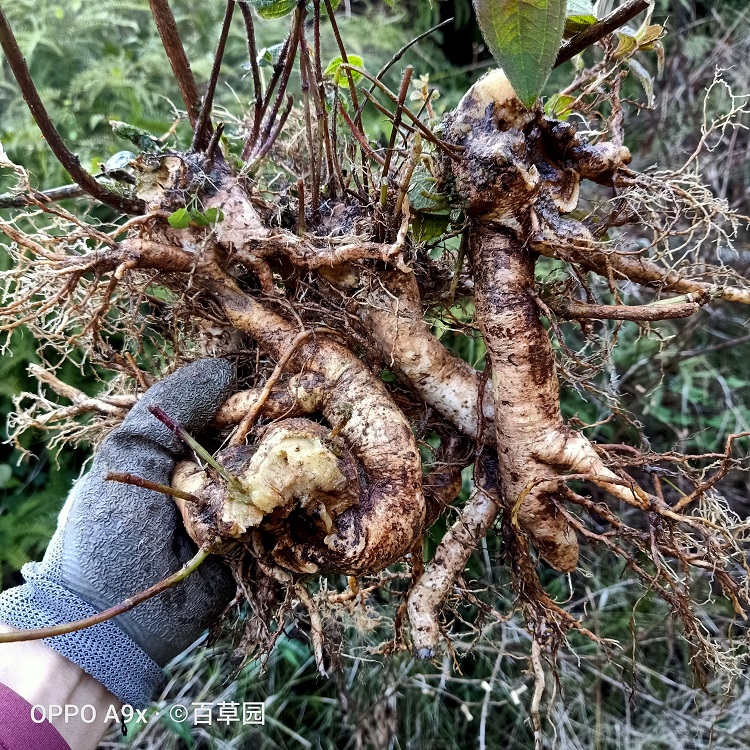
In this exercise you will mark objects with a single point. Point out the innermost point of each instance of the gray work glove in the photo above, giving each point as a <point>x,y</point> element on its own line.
<point>114,540</point>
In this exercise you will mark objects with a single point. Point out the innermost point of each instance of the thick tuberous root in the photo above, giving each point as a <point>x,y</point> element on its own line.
<point>292,486</point>
<point>329,305</point>
<point>517,160</point>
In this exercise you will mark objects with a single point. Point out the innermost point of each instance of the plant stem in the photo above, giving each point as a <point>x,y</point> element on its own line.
<point>124,606</point>
<point>386,112</point>
<point>426,132</point>
<point>345,60</point>
<point>299,16</point>
<point>213,143</point>
<point>366,149</point>
<point>320,98</point>
<point>147,484</point>
<point>600,29</point>
<point>401,53</point>
<point>405,81</point>
<point>251,142</point>
<point>11,200</point>
<point>62,153</point>
<point>194,445</point>
<point>252,53</point>
<point>170,38</point>
<point>353,92</point>
<point>267,144</point>
<point>679,307</point>
<point>301,207</point>
<point>203,126</point>
<point>306,77</point>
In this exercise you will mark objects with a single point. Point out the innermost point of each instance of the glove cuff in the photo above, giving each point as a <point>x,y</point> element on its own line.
<point>103,651</point>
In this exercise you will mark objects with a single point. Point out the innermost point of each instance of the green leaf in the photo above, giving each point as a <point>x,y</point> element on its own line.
<point>214,215</point>
<point>645,79</point>
<point>580,15</point>
<point>199,219</point>
<point>524,37</point>
<point>426,227</point>
<point>423,195</point>
<point>273,8</point>
<point>180,219</point>
<point>333,70</point>
<point>558,106</point>
<point>267,57</point>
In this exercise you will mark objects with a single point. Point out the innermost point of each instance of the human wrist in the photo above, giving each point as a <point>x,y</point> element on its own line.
<point>103,651</point>
<point>43,677</point>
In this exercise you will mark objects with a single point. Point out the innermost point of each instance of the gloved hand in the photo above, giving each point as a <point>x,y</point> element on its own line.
<point>114,540</point>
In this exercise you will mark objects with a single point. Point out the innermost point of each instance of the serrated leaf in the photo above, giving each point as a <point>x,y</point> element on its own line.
<point>627,44</point>
<point>524,37</point>
<point>426,227</point>
<point>214,215</point>
<point>273,8</point>
<point>645,79</point>
<point>333,70</point>
<point>580,15</point>
<point>422,194</point>
<point>180,219</point>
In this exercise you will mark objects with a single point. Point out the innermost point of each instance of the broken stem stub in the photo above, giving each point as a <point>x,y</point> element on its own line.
<point>195,446</point>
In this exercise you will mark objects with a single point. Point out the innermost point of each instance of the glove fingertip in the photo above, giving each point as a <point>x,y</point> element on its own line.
<point>191,396</point>
<point>194,393</point>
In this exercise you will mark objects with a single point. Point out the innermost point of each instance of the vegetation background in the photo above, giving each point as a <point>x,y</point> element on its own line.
<point>689,386</point>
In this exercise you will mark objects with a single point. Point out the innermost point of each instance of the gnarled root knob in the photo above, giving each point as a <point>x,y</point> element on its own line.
<point>288,489</point>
